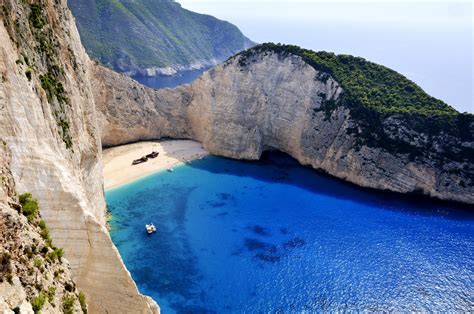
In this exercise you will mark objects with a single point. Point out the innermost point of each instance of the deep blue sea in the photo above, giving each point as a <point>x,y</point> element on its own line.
<point>236,236</point>
<point>162,81</point>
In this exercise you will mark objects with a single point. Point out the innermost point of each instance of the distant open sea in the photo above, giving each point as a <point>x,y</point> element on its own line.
<point>236,236</point>
<point>163,81</point>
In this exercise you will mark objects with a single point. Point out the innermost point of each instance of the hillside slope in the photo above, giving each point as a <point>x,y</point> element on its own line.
<point>153,37</point>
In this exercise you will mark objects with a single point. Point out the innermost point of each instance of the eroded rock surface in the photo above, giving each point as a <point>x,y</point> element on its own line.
<point>240,109</point>
<point>48,120</point>
<point>33,275</point>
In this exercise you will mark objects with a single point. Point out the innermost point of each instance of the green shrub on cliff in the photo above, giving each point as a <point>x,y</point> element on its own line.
<point>29,206</point>
<point>55,90</point>
<point>38,302</point>
<point>51,293</point>
<point>56,254</point>
<point>36,16</point>
<point>82,301</point>
<point>68,304</point>
<point>52,87</point>
<point>25,197</point>
<point>49,47</point>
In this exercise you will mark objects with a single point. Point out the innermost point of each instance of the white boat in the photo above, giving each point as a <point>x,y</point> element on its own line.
<point>150,228</point>
<point>170,169</point>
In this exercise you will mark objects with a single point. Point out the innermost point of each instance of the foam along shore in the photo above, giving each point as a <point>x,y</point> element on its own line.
<point>117,161</point>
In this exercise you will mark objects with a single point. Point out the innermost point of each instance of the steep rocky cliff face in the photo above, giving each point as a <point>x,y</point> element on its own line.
<point>278,101</point>
<point>33,274</point>
<point>48,120</point>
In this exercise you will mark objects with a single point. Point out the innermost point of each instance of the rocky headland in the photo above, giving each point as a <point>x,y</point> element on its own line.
<point>277,98</point>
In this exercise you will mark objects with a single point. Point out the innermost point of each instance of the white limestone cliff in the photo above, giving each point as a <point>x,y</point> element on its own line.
<point>67,181</point>
<point>273,103</point>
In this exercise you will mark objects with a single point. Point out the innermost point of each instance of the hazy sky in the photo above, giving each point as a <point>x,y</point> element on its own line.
<point>411,11</point>
<point>431,42</point>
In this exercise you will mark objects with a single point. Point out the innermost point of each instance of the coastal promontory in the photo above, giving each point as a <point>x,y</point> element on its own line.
<point>343,115</point>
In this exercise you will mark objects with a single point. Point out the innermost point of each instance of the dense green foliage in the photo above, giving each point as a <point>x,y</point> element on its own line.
<point>29,206</point>
<point>52,87</point>
<point>50,293</point>
<point>375,93</point>
<point>45,234</point>
<point>36,18</point>
<point>55,255</point>
<point>365,82</point>
<point>38,263</point>
<point>145,33</point>
<point>82,301</point>
<point>68,304</point>
<point>38,302</point>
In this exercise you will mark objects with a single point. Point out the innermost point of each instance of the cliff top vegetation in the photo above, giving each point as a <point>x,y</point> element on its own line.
<point>375,93</point>
<point>365,82</point>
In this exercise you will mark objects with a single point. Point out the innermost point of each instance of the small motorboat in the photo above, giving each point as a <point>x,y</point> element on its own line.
<point>169,169</point>
<point>150,228</point>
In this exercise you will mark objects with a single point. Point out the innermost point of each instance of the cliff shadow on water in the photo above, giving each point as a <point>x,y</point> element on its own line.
<point>291,172</point>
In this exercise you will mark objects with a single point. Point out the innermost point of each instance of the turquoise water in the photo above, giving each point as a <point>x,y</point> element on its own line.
<point>269,236</point>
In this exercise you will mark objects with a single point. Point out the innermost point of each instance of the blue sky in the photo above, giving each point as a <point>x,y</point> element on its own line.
<point>431,42</point>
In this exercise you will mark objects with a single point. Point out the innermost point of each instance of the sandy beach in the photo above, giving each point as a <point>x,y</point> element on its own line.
<point>117,161</point>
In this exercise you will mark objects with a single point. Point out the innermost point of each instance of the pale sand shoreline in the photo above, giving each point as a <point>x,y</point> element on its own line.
<point>117,161</point>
